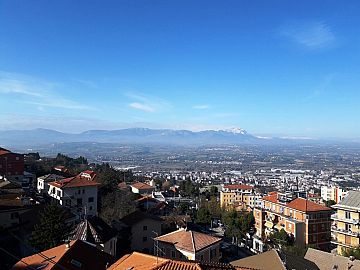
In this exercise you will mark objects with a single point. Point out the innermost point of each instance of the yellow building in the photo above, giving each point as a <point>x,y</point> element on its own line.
<point>307,222</point>
<point>238,197</point>
<point>345,230</point>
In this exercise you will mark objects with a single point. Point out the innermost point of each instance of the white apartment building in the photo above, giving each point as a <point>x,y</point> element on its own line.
<point>79,193</point>
<point>43,182</point>
<point>334,193</point>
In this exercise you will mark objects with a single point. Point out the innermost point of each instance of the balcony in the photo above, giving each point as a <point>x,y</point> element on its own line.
<point>346,220</point>
<point>337,242</point>
<point>343,231</point>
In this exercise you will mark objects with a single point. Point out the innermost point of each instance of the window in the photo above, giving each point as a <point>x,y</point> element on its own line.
<point>14,215</point>
<point>91,199</point>
<point>347,227</point>
<point>83,191</point>
<point>347,215</point>
<point>145,228</point>
<point>79,201</point>
<point>17,158</point>
<point>58,193</point>
<point>145,239</point>
<point>201,258</point>
<point>79,191</point>
<point>212,253</point>
<point>91,208</point>
<point>173,254</point>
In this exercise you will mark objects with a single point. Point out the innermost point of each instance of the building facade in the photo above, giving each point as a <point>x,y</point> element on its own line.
<point>11,165</point>
<point>79,193</point>
<point>346,226</point>
<point>333,193</point>
<point>185,244</point>
<point>43,182</point>
<point>304,220</point>
<point>238,196</point>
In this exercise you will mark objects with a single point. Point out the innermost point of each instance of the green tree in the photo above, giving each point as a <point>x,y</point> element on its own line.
<point>237,223</point>
<point>203,216</point>
<point>214,191</point>
<point>51,230</point>
<point>347,252</point>
<point>330,203</point>
<point>282,238</point>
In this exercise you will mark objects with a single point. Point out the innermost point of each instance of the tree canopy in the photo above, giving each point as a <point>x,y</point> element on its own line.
<point>51,230</point>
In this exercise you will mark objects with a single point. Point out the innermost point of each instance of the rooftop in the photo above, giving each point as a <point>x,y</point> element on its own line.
<point>94,230</point>
<point>140,261</point>
<point>299,204</point>
<point>325,260</point>
<point>79,255</point>
<point>351,200</point>
<point>187,240</point>
<point>75,181</point>
<point>244,187</point>
<point>140,185</point>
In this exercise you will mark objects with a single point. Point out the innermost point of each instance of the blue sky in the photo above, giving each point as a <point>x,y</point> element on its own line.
<point>288,68</point>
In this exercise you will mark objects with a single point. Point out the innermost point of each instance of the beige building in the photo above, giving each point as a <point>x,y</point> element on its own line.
<point>345,229</point>
<point>184,244</point>
<point>238,197</point>
<point>307,222</point>
<point>140,229</point>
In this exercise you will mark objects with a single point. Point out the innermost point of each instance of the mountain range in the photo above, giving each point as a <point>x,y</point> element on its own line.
<point>129,135</point>
<point>42,136</point>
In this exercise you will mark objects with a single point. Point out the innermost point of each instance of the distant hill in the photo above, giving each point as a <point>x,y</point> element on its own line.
<point>130,135</point>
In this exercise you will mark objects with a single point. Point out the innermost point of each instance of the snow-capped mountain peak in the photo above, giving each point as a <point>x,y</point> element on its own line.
<point>237,131</point>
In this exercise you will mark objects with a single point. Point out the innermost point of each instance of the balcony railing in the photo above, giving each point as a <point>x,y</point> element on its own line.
<point>343,231</point>
<point>346,220</point>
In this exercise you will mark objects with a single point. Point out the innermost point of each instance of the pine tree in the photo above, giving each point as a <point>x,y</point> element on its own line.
<point>51,230</point>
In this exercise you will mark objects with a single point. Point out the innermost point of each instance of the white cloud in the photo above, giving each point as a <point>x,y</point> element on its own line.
<point>147,103</point>
<point>201,107</point>
<point>315,35</point>
<point>30,90</point>
<point>141,107</point>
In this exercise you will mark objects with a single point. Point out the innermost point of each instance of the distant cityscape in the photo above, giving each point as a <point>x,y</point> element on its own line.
<point>237,204</point>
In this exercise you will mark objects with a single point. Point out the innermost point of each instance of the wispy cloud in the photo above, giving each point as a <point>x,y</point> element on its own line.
<point>201,107</point>
<point>314,35</point>
<point>34,91</point>
<point>146,103</point>
<point>141,107</point>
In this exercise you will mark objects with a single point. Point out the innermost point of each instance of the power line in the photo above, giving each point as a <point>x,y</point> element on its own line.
<point>17,258</point>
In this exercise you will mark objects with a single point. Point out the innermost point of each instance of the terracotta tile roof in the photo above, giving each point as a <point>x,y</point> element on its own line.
<point>245,187</point>
<point>140,261</point>
<point>300,204</point>
<point>78,254</point>
<point>189,240</point>
<point>75,181</point>
<point>140,185</point>
<point>4,151</point>
<point>304,205</point>
<point>271,197</point>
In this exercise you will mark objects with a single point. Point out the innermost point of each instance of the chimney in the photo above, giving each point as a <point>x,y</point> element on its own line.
<point>67,244</point>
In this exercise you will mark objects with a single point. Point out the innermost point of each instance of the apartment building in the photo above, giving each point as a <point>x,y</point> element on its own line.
<point>43,182</point>
<point>307,222</point>
<point>11,166</point>
<point>79,193</point>
<point>238,197</point>
<point>346,227</point>
<point>333,193</point>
